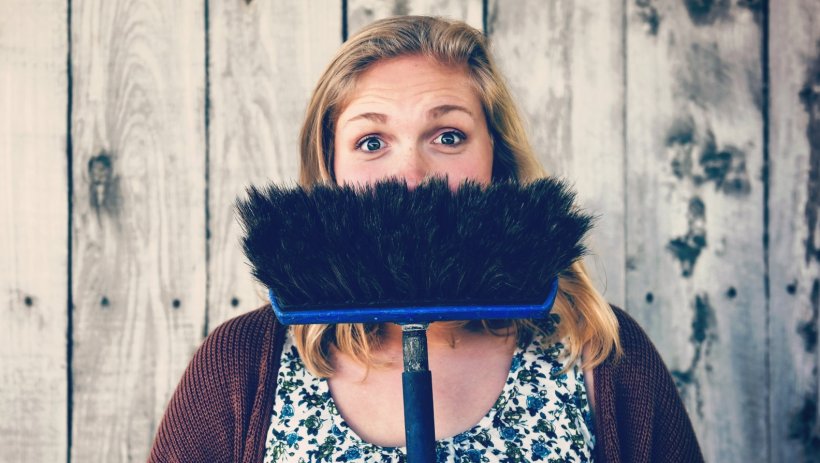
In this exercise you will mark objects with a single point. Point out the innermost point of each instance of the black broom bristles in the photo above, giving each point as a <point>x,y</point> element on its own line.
<point>385,245</point>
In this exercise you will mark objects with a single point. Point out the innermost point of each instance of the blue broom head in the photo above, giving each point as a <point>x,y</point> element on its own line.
<point>384,252</point>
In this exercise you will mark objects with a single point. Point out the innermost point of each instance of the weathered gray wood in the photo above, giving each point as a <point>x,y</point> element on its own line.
<point>363,12</point>
<point>138,216</point>
<point>265,60</point>
<point>794,224</point>
<point>695,257</point>
<point>564,62</point>
<point>33,231</point>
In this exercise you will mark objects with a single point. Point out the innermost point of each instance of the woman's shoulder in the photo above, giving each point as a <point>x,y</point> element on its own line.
<point>640,356</point>
<point>246,327</point>
<point>216,395</point>
<point>237,348</point>
<point>639,403</point>
<point>245,338</point>
<point>630,332</point>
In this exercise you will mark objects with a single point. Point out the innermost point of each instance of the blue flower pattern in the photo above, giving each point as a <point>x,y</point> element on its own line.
<point>541,415</point>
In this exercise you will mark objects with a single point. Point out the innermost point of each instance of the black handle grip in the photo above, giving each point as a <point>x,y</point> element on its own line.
<point>419,427</point>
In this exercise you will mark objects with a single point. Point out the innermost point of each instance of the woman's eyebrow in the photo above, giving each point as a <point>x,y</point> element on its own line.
<point>441,110</point>
<point>433,113</point>
<point>375,117</point>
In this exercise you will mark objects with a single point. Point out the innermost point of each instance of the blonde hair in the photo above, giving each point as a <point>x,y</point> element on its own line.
<point>586,319</point>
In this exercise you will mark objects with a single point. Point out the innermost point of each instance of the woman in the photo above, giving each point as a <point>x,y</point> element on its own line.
<point>415,97</point>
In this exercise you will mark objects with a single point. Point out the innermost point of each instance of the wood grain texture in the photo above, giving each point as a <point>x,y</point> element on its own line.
<point>695,256</point>
<point>564,63</point>
<point>794,224</point>
<point>138,217</point>
<point>363,12</point>
<point>33,231</point>
<point>266,58</point>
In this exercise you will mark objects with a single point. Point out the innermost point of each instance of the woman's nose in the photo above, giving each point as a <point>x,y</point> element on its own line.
<point>414,167</point>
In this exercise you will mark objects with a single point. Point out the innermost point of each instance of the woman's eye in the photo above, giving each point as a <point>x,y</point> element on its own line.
<point>450,138</point>
<point>370,144</point>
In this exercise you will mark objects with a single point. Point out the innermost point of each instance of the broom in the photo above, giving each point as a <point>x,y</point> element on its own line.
<point>386,253</point>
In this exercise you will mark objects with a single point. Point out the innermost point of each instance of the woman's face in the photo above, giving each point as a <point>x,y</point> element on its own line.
<point>411,117</point>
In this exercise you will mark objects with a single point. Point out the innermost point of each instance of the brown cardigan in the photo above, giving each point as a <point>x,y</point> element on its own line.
<point>221,409</point>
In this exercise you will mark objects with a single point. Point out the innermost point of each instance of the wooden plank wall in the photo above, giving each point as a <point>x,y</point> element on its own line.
<point>696,261</point>
<point>265,58</point>
<point>34,214</point>
<point>564,63</point>
<point>128,128</point>
<point>138,247</point>
<point>794,230</point>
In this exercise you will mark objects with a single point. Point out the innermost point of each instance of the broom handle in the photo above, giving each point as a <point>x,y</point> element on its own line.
<point>417,386</point>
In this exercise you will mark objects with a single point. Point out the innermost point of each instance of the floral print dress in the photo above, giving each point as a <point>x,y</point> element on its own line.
<point>541,415</point>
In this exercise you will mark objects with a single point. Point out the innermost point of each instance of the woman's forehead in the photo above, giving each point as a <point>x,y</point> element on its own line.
<point>414,83</point>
